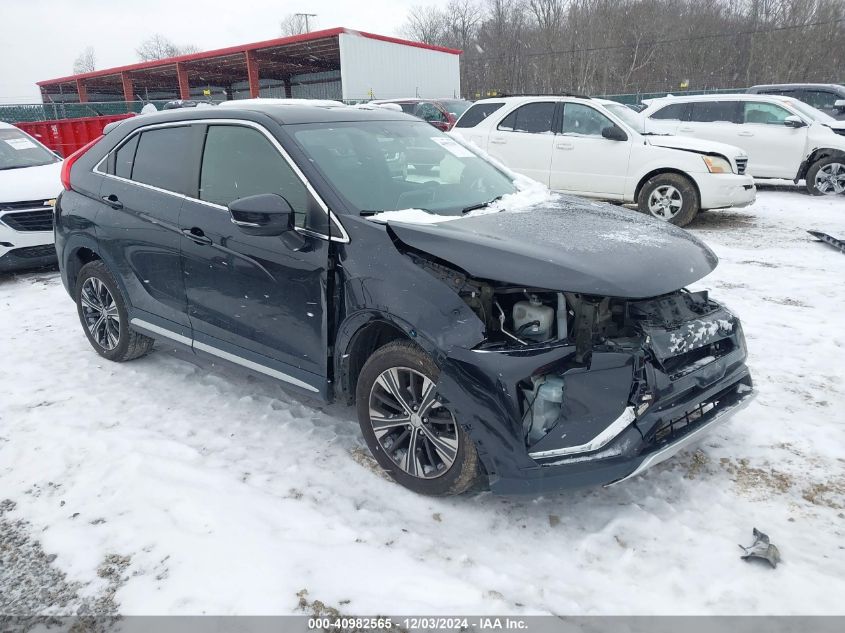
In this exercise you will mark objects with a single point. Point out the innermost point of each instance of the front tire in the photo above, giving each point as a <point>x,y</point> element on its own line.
<point>826,177</point>
<point>102,312</point>
<point>412,436</point>
<point>670,197</point>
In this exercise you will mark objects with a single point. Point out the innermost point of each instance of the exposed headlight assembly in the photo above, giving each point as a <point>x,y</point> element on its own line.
<point>717,165</point>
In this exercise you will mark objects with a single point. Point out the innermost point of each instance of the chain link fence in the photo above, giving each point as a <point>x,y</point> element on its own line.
<point>18,113</point>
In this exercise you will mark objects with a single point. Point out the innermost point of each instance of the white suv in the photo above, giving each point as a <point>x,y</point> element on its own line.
<point>597,148</point>
<point>29,181</point>
<point>784,137</point>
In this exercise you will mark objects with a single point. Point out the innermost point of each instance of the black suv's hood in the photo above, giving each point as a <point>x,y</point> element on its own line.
<point>570,245</point>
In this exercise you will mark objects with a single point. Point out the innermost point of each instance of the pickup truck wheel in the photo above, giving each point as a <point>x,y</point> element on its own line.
<point>670,197</point>
<point>826,177</point>
<point>411,434</point>
<point>102,311</point>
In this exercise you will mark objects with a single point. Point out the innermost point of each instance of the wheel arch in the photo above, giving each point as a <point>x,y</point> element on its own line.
<point>818,154</point>
<point>75,259</point>
<point>359,336</point>
<point>664,170</point>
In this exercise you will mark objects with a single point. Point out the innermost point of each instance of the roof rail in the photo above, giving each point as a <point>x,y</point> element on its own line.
<point>542,94</point>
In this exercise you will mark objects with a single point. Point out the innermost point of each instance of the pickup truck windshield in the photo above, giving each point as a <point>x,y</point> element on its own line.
<point>811,112</point>
<point>393,165</point>
<point>18,150</point>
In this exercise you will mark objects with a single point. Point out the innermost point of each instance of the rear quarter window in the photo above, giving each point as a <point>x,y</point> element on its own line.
<point>477,113</point>
<point>162,158</point>
<point>673,112</point>
<point>716,112</point>
<point>124,157</point>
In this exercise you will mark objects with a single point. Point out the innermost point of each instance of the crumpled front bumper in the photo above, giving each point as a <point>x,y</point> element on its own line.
<point>481,389</point>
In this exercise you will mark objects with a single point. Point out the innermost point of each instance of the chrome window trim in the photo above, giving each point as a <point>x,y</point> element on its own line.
<point>234,358</point>
<point>344,236</point>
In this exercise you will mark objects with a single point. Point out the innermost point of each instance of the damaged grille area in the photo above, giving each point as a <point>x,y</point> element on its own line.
<point>673,429</point>
<point>688,362</point>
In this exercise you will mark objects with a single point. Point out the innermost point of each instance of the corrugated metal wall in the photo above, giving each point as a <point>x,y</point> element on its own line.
<point>374,69</point>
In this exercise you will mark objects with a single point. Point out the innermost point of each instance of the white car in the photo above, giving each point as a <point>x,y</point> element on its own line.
<point>596,148</point>
<point>784,137</point>
<point>29,182</point>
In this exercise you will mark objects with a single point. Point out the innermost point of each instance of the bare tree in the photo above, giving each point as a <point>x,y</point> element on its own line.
<point>462,18</point>
<point>425,24</point>
<point>296,24</point>
<point>159,47</point>
<point>616,46</point>
<point>85,62</point>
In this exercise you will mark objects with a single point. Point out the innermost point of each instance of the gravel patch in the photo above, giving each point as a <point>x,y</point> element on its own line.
<point>33,591</point>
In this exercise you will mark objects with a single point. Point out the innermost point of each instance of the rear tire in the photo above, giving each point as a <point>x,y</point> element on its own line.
<point>102,312</point>
<point>669,197</point>
<point>411,435</point>
<point>826,177</point>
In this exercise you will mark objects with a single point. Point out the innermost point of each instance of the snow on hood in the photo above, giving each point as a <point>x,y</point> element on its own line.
<point>529,195</point>
<point>696,145</point>
<point>30,183</point>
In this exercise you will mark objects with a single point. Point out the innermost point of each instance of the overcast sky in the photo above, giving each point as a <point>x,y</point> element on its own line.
<point>41,38</point>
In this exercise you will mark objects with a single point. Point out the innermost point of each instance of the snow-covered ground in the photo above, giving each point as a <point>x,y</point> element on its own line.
<point>175,485</point>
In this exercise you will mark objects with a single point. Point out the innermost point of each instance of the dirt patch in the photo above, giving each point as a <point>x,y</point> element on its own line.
<point>829,494</point>
<point>337,621</point>
<point>786,301</point>
<point>31,585</point>
<point>752,262</point>
<point>362,457</point>
<point>723,220</point>
<point>755,482</point>
<point>729,285</point>
<point>698,463</point>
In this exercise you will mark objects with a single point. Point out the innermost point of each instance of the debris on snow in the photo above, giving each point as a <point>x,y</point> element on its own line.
<point>829,239</point>
<point>761,548</point>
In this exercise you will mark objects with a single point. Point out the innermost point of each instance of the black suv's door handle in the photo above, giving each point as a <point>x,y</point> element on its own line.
<point>197,236</point>
<point>113,201</point>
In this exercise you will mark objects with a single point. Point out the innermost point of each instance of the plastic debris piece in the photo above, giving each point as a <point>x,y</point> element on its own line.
<point>761,548</point>
<point>829,239</point>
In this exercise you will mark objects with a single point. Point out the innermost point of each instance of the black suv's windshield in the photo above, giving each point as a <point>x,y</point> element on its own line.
<point>394,165</point>
<point>18,150</point>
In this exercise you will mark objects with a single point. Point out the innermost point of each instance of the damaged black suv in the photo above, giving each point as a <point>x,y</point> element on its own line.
<point>488,335</point>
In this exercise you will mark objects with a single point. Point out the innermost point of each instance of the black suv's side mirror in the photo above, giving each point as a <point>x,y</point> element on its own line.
<point>614,133</point>
<point>266,215</point>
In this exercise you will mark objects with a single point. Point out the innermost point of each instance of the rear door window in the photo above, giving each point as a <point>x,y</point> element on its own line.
<point>240,161</point>
<point>162,159</point>
<point>477,113</point>
<point>673,112</point>
<point>716,112</point>
<point>535,118</point>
